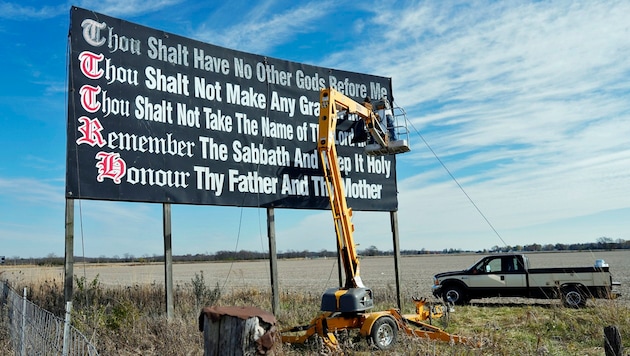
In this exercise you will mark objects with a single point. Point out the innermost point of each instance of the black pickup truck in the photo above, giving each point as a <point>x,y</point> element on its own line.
<point>509,275</point>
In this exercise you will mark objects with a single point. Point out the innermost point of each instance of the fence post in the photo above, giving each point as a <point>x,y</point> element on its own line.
<point>22,336</point>
<point>66,330</point>
<point>612,341</point>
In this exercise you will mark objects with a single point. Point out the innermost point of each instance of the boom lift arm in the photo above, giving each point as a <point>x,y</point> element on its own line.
<point>354,296</point>
<point>345,308</point>
<point>333,102</point>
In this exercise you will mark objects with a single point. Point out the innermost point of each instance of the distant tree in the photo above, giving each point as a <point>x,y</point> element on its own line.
<point>326,253</point>
<point>560,247</point>
<point>605,242</point>
<point>370,251</point>
<point>548,247</point>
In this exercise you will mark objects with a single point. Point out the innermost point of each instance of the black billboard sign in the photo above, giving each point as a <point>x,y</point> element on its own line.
<point>155,117</point>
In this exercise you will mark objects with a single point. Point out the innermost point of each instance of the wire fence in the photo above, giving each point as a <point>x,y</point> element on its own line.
<point>35,331</point>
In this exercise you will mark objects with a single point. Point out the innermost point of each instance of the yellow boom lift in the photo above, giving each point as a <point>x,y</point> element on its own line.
<point>348,307</point>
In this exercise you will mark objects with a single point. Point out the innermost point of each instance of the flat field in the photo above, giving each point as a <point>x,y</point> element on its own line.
<point>130,321</point>
<point>311,275</point>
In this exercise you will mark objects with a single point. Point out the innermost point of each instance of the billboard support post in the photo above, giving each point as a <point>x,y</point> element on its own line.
<point>69,251</point>
<point>168,261</point>
<point>396,242</point>
<point>273,260</point>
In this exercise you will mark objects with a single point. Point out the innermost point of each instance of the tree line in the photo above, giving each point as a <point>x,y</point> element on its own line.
<point>602,243</point>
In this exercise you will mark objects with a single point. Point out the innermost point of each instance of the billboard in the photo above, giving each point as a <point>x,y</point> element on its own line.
<point>156,117</point>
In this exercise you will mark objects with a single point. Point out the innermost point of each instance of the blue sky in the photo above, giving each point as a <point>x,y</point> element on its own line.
<point>526,103</point>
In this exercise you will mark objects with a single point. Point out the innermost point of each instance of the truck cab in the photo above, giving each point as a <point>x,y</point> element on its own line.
<point>509,275</point>
<point>506,273</point>
<point>501,264</point>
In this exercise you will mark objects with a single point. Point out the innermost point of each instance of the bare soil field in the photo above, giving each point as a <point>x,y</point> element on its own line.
<point>310,275</point>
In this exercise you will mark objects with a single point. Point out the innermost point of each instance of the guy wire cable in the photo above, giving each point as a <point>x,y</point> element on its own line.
<point>456,182</point>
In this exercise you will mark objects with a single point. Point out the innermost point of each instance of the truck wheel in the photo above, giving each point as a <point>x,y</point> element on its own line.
<point>455,295</point>
<point>572,297</point>
<point>383,333</point>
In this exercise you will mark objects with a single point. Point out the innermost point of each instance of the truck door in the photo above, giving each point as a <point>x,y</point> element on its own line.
<point>487,275</point>
<point>498,276</point>
<point>514,275</point>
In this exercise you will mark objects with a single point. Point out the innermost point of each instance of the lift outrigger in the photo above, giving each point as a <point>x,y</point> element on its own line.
<point>348,307</point>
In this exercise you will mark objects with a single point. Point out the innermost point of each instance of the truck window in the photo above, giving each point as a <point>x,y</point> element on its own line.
<point>512,264</point>
<point>478,268</point>
<point>494,265</point>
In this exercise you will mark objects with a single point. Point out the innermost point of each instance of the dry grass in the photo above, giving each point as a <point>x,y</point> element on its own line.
<point>129,320</point>
<point>5,341</point>
<point>121,307</point>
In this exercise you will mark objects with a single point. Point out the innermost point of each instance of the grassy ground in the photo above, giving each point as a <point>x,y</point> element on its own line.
<point>5,342</point>
<point>130,321</point>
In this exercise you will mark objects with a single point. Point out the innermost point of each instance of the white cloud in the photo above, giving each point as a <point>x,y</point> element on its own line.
<point>260,28</point>
<point>526,104</point>
<point>20,12</point>
<point>30,190</point>
<point>127,8</point>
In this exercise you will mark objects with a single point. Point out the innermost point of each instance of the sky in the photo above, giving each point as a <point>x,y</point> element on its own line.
<point>519,118</point>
